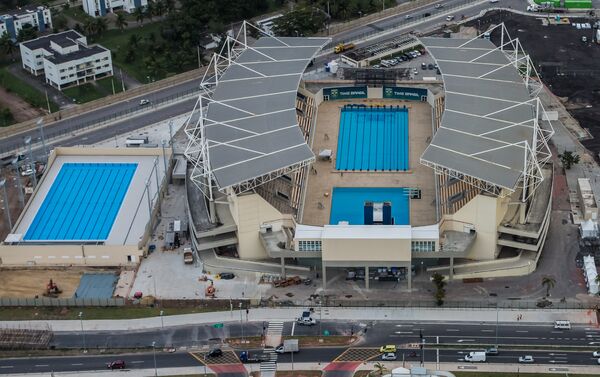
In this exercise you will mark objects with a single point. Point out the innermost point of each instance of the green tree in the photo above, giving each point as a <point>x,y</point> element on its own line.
<point>60,22</point>
<point>440,293</point>
<point>26,33</point>
<point>139,14</point>
<point>549,282</point>
<point>121,21</point>
<point>150,10</point>
<point>6,117</point>
<point>134,40</point>
<point>7,45</point>
<point>100,26</point>
<point>160,8</point>
<point>89,27</point>
<point>299,22</point>
<point>379,368</point>
<point>568,159</point>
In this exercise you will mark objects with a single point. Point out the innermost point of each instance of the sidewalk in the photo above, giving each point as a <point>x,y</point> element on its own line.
<point>451,367</point>
<point>542,317</point>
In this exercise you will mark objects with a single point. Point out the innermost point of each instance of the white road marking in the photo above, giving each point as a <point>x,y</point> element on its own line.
<point>293,327</point>
<point>6,366</point>
<point>42,365</point>
<point>136,362</point>
<point>522,331</point>
<point>403,332</point>
<point>487,330</point>
<point>452,330</point>
<point>74,364</point>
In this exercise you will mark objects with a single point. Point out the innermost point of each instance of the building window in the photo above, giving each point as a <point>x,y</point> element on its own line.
<point>309,245</point>
<point>422,246</point>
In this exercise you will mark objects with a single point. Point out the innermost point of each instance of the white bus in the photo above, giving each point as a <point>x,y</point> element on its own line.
<point>137,142</point>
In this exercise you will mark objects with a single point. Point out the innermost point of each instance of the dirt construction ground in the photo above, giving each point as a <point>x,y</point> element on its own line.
<point>568,66</point>
<point>20,109</point>
<point>29,283</point>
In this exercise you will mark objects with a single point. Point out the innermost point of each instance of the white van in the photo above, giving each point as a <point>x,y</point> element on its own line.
<point>563,325</point>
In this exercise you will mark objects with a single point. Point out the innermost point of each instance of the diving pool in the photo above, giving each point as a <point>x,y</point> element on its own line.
<point>82,202</point>
<point>347,203</point>
<point>373,138</point>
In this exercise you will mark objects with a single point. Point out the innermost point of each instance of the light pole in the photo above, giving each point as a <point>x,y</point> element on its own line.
<point>321,315</point>
<point>242,324</point>
<point>162,324</point>
<point>6,207</point>
<point>40,124</point>
<point>163,143</point>
<point>149,200</point>
<point>496,324</point>
<point>28,143</point>
<point>154,357</point>
<point>19,185</point>
<point>82,331</point>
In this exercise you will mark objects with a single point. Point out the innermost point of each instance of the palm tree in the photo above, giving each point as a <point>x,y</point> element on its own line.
<point>169,5</point>
<point>134,40</point>
<point>120,21</point>
<point>139,14</point>
<point>6,44</point>
<point>549,282</point>
<point>100,26</point>
<point>150,10</point>
<point>568,159</point>
<point>159,8</point>
<point>380,368</point>
<point>89,27</point>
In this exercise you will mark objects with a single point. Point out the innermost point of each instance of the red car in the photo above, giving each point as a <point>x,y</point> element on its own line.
<point>117,364</point>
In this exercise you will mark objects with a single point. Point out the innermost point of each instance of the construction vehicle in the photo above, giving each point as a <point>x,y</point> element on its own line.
<point>210,290</point>
<point>188,255</point>
<point>248,358</point>
<point>343,47</point>
<point>52,290</point>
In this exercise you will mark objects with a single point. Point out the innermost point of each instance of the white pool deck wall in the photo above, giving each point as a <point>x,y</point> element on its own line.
<point>130,231</point>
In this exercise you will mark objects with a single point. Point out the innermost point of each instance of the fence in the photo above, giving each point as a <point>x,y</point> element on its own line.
<point>25,336</point>
<point>335,29</point>
<point>62,302</point>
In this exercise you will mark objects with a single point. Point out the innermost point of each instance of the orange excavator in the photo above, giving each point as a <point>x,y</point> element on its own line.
<point>52,290</point>
<point>210,290</point>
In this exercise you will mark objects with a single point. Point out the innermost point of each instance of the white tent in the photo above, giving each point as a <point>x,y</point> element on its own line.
<point>588,229</point>
<point>590,272</point>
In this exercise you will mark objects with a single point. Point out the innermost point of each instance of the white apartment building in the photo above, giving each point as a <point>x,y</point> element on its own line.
<point>38,17</point>
<point>99,8</point>
<point>65,59</point>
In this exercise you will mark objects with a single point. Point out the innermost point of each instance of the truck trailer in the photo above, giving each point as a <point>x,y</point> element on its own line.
<point>343,47</point>
<point>289,345</point>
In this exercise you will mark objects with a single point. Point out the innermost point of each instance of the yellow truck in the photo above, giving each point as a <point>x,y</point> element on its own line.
<point>343,47</point>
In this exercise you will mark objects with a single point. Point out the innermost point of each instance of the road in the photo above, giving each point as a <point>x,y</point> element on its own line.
<point>459,338</point>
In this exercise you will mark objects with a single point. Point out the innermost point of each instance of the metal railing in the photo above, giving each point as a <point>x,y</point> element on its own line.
<point>61,302</point>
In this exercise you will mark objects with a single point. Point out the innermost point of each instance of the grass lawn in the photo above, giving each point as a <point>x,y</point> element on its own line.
<point>30,94</point>
<point>50,313</point>
<point>117,41</point>
<point>93,90</point>
<point>76,13</point>
<point>107,86</point>
<point>84,93</point>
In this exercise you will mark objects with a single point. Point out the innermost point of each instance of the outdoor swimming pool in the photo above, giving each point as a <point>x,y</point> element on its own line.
<point>373,138</point>
<point>347,203</point>
<point>82,202</point>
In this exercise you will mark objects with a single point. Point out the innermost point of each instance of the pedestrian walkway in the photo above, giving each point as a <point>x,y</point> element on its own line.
<point>531,316</point>
<point>268,368</point>
<point>274,332</point>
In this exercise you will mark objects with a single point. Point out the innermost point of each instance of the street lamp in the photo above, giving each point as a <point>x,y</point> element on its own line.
<point>163,143</point>
<point>28,143</point>
<point>40,124</point>
<point>154,357</point>
<point>6,207</point>
<point>242,324</point>
<point>19,185</point>
<point>82,331</point>
<point>162,324</point>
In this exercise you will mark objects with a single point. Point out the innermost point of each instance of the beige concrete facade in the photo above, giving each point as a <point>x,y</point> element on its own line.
<point>250,211</point>
<point>323,176</point>
<point>483,214</point>
<point>587,201</point>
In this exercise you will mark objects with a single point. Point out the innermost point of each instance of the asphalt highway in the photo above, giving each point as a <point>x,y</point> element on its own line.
<point>459,338</point>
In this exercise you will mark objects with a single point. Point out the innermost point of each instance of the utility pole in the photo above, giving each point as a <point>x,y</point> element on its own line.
<point>40,124</point>
<point>28,143</point>
<point>15,163</point>
<point>496,324</point>
<point>122,81</point>
<point>82,331</point>
<point>6,204</point>
<point>242,324</point>
<point>422,347</point>
<point>47,101</point>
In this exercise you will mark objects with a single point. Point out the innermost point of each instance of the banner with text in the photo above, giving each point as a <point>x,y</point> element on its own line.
<point>399,92</point>
<point>345,92</point>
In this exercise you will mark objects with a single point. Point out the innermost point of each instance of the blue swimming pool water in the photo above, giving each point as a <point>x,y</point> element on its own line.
<point>347,203</point>
<point>82,203</point>
<point>373,138</point>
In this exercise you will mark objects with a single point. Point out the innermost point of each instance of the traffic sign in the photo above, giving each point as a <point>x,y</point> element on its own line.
<point>218,325</point>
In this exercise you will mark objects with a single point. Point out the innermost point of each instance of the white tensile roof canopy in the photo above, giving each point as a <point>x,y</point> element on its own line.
<point>491,129</point>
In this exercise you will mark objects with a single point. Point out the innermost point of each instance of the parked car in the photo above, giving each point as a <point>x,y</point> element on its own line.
<point>526,359</point>
<point>226,275</point>
<point>423,66</point>
<point>450,18</point>
<point>408,17</point>
<point>491,351</point>
<point>376,66</point>
<point>438,6</point>
<point>306,321</point>
<point>596,354</point>
<point>117,364</point>
<point>388,348</point>
<point>415,71</point>
<point>215,352</point>
<point>27,172</point>
<point>144,102</point>
<point>389,356</point>
<point>430,66</point>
